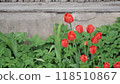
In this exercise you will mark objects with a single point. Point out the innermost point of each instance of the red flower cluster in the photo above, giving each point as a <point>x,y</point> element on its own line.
<point>90,28</point>
<point>98,35</point>
<point>107,65</point>
<point>68,18</point>
<point>96,38</point>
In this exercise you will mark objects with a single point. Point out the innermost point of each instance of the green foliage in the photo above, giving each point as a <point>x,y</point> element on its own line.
<point>11,42</point>
<point>19,51</point>
<point>118,20</point>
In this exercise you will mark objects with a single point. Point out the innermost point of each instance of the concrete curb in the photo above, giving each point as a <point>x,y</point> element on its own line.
<point>57,7</point>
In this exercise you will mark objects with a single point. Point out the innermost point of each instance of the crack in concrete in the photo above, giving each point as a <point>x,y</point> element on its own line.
<point>88,19</point>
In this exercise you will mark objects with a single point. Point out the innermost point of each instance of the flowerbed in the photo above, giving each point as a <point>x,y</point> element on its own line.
<point>96,48</point>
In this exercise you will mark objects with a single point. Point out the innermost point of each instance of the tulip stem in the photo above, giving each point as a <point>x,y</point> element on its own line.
<point>86,51</point>
<point>90,36</point>
<point>99,61</point>
<point>83,42</point>
<point>82,38</point>
<point>93,60</point>
<point>91,54</point>
<point>102,58</point>
<point>71,26</point>
<point>76,58</point>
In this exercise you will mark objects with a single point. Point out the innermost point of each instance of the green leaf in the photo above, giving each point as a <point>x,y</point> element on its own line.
<point>36,41</point>
<point>72,65</point>
<point>41,60</point>
<point>1,50</point>
<point>10,42</point>
<point>53,46</point>
<point>117,59</point>
<point>38,52</point>
<point>21,37</point>
<point>57,41</point>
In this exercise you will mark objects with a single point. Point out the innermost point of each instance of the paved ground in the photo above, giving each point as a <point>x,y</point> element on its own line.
<point>61,7</point>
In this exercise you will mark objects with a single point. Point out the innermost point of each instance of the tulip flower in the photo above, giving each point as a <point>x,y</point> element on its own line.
<point>64,43</point>
<point>68,18</point>
<point>71,35</point>
<point>117,65</point>
<point>92,49</point>
<point>106,65</point>
<point>90,28</point>
<point>79,28</point>
<point>83,58</point>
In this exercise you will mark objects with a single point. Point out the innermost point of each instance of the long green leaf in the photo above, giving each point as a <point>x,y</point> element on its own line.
<point>53,46</point>
<point>57,41</point>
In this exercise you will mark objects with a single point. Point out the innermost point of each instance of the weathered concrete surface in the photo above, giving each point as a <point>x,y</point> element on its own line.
<point>35,23</point>
<point>96,19</point>
<point>61,7</point>
<point>38,19</point>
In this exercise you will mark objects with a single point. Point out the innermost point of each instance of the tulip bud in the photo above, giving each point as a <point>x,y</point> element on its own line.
<point>85,43</point>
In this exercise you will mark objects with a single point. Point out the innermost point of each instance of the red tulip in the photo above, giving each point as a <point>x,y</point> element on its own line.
<point>96,67</point>
<point>90,28</point>
<point>92,49</point>
<point>83,58</point>
<point>79,28</point>
<point>68,18</point>
<point>98,35</point>
<point>94,40</point>
<point>106,65</point>
<point>117,65</point>
<point>64,43</point>
<point>71,35</point>
<point>85,43</point>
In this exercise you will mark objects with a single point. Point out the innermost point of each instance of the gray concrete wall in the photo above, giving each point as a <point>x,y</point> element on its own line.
<point>55,0</point>
<point>34,21</point>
